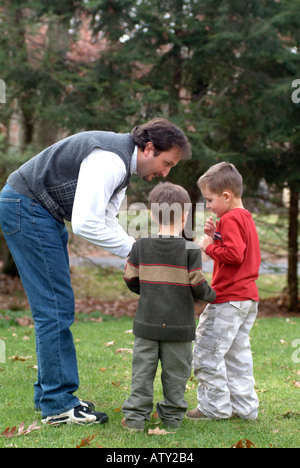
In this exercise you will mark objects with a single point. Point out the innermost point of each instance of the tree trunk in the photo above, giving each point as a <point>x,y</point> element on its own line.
<point>293,251</point>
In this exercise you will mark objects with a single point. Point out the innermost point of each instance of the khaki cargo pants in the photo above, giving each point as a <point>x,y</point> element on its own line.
<point>223,362</point>
<point>176,363</point>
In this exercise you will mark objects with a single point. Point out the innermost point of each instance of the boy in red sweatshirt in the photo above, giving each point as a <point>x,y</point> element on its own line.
<point>223,362</point>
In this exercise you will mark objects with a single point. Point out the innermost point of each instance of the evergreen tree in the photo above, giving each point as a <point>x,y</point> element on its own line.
<point>221,69</point>
<point>255,50</point>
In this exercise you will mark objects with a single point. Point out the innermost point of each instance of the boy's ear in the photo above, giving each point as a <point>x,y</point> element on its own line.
<point>227,196</point>
<point>185,215</point>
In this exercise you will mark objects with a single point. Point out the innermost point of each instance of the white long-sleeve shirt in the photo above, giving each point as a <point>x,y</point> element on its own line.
<point>95,211</point>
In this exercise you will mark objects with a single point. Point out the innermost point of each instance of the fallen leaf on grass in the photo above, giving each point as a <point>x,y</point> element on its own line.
<point>20,358</point>
<point>124,350</point>
<point>116,384</point>
<point>8,433</point>
<point>261,390</point>
<point>33,366</point>
<point>244,443</point>
<point>86,441</point>
<point>157,431</point>
<point>296,384</point>
<point>110,343</point>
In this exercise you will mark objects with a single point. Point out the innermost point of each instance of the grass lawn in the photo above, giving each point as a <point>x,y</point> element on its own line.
<point>105,379</point>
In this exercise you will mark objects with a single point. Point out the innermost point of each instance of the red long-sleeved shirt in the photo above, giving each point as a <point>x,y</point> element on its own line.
<point>236,255</point>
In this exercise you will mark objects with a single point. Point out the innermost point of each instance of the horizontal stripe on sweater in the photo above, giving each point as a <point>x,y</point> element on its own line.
<point>164,274</point>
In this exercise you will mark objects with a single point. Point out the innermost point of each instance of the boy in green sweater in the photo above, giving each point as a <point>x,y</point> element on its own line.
<point>166,271</point>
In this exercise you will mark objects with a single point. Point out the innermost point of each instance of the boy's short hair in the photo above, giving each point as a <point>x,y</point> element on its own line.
<point>221,177</point>
<point>164,136</point>
<point>168,202</point>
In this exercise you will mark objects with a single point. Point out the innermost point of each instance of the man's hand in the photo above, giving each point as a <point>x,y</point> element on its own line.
<point>204,242</point>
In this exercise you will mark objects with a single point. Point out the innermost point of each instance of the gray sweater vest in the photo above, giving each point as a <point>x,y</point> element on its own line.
<point>51,177</point>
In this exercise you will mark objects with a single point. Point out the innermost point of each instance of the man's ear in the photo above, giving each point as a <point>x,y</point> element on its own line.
<point>149,147</point>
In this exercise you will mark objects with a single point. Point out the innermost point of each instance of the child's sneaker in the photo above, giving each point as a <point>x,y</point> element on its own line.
<point>196,415</point>
<point>79,415</point>
<point>130,429</point>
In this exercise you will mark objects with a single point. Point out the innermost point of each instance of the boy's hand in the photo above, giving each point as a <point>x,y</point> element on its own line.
<point>204,242</point>
<point>210,227</point>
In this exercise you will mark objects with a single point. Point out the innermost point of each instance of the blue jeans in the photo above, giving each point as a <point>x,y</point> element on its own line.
<point>38,244</point>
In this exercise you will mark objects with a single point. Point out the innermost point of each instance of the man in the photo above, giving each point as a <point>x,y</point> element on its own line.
<point>81,179</point>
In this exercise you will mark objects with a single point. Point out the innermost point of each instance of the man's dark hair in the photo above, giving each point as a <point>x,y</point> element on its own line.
<point>163,135</point>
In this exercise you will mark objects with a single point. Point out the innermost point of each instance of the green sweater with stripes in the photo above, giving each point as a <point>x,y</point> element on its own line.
<point>167,274</point>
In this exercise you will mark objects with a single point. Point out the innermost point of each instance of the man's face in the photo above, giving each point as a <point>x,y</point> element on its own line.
<point>150,166</point>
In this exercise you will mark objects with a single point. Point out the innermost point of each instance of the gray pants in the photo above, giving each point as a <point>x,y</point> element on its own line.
<point>223,362</point>
<point>176,361</point>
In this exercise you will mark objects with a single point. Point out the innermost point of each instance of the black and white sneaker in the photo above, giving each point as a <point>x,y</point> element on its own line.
<point>88,404</point>
<point>79,415</point>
